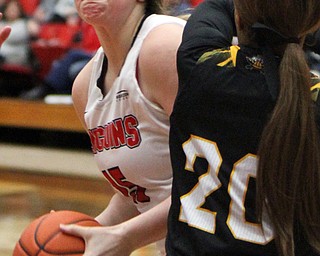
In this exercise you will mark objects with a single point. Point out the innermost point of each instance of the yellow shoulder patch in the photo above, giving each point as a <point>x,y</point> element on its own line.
<point>315,89</point>
<point>222,57</point>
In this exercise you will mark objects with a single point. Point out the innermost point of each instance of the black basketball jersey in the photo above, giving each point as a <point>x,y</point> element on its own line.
<point>222,106</point>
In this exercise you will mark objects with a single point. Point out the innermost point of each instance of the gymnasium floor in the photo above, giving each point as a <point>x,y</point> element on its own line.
<point>25,196</point>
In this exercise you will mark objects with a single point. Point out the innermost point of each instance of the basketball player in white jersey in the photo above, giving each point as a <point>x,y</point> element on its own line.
<point>124,97</point>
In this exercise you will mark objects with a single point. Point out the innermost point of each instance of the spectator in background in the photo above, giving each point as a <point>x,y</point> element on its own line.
<point>16,59</point>
<point>60,78</point>
<point>44,11</point>
<point>64,10</point>
<point>2,6</point>
<point>177,7</point>
<point>52,11</point>
<point>16,49</point>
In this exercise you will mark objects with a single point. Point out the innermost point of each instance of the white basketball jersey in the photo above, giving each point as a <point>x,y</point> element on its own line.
<point>129,134</point>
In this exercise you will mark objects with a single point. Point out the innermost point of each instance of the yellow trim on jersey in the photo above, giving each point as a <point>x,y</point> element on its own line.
<point>316,86</point>
<point>315,92</point>
<point>233,56</point>
<point>224,57</point>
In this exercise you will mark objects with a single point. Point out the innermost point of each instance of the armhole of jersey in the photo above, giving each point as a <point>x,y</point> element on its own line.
<point>137,70</point>
<point>100,81</point>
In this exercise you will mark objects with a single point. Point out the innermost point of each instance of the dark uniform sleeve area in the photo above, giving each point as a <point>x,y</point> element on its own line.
<point>211,26</point>
<point>312,42</point>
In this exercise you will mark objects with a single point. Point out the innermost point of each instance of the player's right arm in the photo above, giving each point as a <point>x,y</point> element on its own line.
<point>80,91</point>
<point>4,32</point>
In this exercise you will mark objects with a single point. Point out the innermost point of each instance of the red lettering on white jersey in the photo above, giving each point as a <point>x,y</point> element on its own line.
<point>118,133</point>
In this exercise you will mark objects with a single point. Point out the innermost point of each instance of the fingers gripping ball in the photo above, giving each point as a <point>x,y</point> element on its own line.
<point>43,236</point>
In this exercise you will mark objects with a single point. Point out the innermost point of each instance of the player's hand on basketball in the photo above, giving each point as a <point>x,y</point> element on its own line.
<point>4,32</point>
<point>101,241</point>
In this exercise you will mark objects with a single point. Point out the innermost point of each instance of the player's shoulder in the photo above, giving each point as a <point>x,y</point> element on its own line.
<point>156,20</point>
<point>162,35</point>
<point>160,44</point>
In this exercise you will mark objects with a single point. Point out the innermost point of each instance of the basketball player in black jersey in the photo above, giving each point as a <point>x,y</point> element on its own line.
<point>244,134</point>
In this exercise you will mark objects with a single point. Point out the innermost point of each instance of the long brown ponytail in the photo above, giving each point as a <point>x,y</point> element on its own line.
<point>288,179</point>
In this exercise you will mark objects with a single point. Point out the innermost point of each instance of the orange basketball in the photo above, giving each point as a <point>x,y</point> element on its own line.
<point>43,236</point>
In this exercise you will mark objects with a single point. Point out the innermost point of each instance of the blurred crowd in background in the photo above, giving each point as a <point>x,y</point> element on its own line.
<point>49,45</point>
